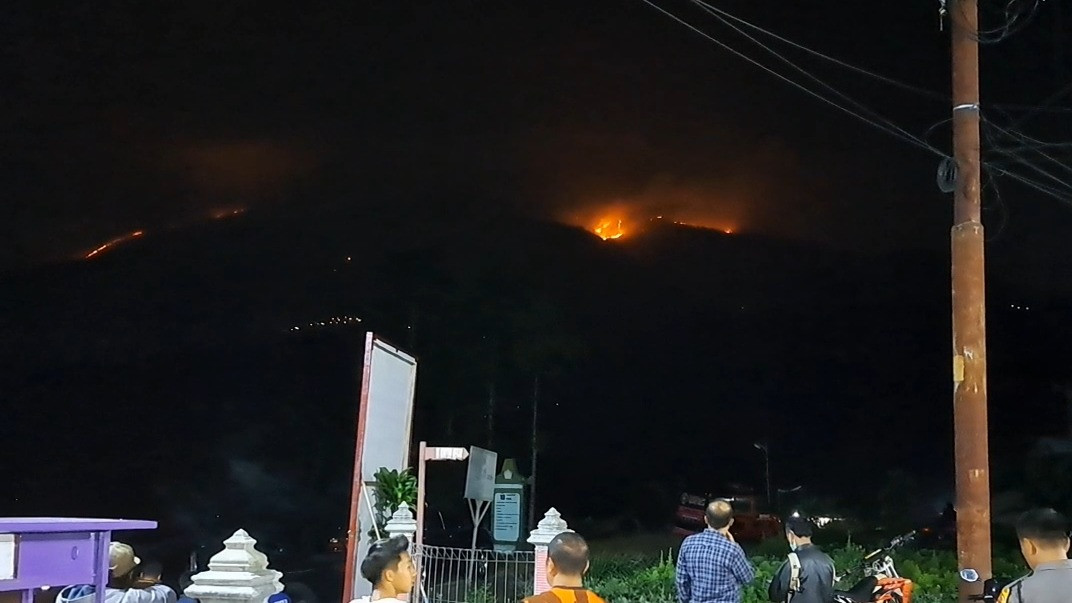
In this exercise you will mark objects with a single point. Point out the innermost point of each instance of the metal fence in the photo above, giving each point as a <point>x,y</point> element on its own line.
<point>450,575</point>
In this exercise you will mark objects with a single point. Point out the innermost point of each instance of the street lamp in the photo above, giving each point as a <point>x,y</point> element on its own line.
<point>766,458</point>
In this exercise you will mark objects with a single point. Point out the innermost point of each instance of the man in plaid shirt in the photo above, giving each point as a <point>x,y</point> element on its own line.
<point>712,567</point>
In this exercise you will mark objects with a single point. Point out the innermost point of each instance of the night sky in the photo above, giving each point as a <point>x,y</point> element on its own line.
<point>161,117</point>
<point>122,117</point>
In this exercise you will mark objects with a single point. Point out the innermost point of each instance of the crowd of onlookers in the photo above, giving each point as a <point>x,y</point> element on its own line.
<point>129,581</point>
<point>711,568</point>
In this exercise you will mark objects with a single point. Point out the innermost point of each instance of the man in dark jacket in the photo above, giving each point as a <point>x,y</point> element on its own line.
<point>808,575</point>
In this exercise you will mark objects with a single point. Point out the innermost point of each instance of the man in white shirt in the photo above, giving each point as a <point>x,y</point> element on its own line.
<point>390,569</point>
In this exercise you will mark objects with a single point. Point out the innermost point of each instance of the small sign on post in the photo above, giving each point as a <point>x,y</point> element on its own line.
<point>506,512</point>
<point>480,479</point>
<point>479,489</point>
<point>425,454</point>
<point>446,453</point>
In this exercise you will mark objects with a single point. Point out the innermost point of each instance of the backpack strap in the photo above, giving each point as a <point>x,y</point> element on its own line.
<point>545,597</point>
<point>794,575</point>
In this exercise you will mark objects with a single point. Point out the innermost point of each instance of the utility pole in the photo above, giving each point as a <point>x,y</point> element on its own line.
<point>535,424</point>
<point>771,507</point>
<point>969,306</point>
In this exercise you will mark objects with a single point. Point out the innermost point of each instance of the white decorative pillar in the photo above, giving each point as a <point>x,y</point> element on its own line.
<point>237,574</point>
<point>402,523</point>
<point>550,526</point>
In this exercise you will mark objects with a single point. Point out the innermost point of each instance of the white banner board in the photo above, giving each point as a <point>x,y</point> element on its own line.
<point>384,422</point>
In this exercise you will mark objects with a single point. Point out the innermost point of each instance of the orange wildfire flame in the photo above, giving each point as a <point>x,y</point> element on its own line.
<point>609,229</point>
<point>612,228</point>
<point>219,214</point>
<point>725,229</point>
<point>113,243</point>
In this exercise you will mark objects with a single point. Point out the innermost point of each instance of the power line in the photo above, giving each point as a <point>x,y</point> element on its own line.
<point>874,119</point>
<point>861,107</point>
<point>1001,207</point>
<point>1013,153</point>
<point>1034,184</point>
<point>935,126</point>
<point>1062,191</point>
<point>1049,100</point>
<point>1016,19</point>
<point>897,132</point>
<point>1021,153</point>
<point>1031,109</point>
<point>709,8</point>
<point>1028,144</point>
<point>889,80</point>
<point>1004,169</point>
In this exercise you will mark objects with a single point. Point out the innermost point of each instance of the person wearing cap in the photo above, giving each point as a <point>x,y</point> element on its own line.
<point>807,576</point>
<point>126,582</point>
<point>1044,542</point>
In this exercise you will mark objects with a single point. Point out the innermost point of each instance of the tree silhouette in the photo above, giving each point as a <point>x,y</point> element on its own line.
<point>543,346</point>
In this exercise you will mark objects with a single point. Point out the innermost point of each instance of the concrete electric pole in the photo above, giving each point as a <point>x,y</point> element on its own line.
<point>969,306</point>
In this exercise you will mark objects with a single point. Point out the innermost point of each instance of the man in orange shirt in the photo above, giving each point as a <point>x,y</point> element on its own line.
<point>567,563</point>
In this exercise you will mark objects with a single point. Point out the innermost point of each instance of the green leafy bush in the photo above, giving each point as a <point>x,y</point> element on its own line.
<point>481,594</point>
<point>393,487</point>
<point>634,579</point>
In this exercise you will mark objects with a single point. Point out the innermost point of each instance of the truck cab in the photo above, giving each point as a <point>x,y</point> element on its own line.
<point>749,525</point>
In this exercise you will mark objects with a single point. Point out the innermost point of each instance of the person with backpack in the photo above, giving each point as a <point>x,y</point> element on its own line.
<point>807,576</point>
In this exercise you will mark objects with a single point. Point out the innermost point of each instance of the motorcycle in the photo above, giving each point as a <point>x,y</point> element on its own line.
<point>992,587</point>
<point>881,582</point>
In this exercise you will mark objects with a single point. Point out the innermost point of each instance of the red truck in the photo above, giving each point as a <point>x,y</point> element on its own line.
<point>749,525</point>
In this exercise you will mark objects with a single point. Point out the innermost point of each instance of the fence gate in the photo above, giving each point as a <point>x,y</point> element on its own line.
<point>451,575</point>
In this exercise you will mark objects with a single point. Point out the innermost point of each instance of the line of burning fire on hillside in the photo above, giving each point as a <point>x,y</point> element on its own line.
<point>614,227</point>
<point>611,226</point>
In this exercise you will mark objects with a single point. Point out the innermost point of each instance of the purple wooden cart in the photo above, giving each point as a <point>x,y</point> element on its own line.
<point>57,551</point>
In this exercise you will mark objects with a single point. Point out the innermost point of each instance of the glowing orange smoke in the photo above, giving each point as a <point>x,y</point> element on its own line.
<point>220,214</point>
<point>113,243</point>
<point>609,229</point>
<point>723,229</point>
